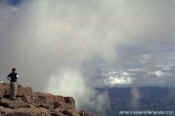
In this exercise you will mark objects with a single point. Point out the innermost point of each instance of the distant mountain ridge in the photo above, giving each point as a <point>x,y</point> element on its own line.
<point>140,99</point>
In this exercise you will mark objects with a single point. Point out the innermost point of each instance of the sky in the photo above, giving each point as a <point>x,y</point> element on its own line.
<point>87,44</point>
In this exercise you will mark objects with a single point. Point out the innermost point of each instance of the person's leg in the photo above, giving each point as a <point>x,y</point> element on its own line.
<point>13,90</point>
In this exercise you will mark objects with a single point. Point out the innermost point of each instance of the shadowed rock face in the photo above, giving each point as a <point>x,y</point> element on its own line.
<point>29,103</point>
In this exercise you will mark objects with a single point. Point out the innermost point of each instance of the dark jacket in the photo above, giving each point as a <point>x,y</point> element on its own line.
<point>13,77</point>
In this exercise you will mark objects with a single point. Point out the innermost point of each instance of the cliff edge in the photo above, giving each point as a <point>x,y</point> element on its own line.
<point>30,103</point>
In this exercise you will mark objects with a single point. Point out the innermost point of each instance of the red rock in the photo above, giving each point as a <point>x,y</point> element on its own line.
<point>85,113</point>
<point>30,103</point>
<point>4,89</point>
<point>27,112</point>
<point>24,91</point>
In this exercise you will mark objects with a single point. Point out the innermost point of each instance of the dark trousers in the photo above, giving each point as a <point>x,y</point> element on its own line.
<point>13,90</point>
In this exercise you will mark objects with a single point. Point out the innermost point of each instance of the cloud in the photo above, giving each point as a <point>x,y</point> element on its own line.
<point>158,73</point>
<point>118,79</point>
<point>73,84</point>
<point>144,58</point>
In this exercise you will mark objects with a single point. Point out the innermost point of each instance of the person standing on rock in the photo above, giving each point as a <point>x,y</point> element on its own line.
<point>12,77</point>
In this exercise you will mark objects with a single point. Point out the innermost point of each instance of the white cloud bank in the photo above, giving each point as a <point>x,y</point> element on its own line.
<point>118,79</point>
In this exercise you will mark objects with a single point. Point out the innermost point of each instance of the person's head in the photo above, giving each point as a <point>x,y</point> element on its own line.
<point>13,69</point>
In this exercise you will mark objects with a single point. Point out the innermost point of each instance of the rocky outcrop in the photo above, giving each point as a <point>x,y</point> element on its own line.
<point>85,113</point>
<point>30,103</point>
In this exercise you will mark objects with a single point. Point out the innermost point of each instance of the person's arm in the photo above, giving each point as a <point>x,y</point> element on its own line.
<point>17,75</point>
<point>8,77</point>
